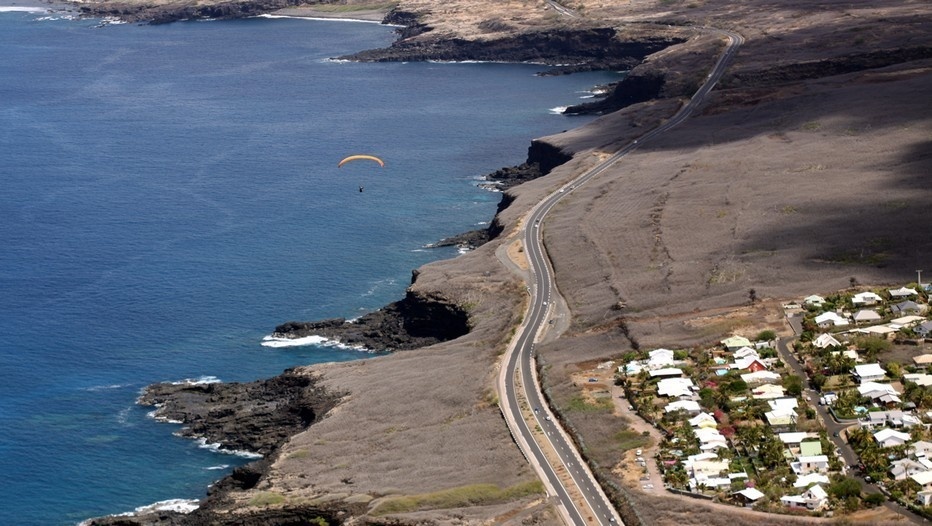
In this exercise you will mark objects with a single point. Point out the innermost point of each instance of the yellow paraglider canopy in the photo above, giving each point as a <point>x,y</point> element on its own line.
<point>361,158</point>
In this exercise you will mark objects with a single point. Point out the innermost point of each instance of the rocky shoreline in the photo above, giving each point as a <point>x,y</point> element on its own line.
<point>260,416</point>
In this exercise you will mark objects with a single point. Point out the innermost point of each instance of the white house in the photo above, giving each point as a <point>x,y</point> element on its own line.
<point>804,481</point>
<point>903,292</point>
<point>891,438</point>
<point>660,358</point>
<point>924,479</point>
<point>690,406</point>
<point>760,377</point>
<point>703,420</point>
<point>814,300</point>
<point>793,439</point>
<point>866,298</point>
<point>901,469</point>
<point>814,499</point>
<point>788,404</point>
<point>918,378</point>
<point>781,417</point>
<point>921,449</point>
<point>675,387</point>
<point>869,372</point>
<point>826,340</point>
<point>810,464</point>
<point>830,319</point>
<point>766,391</point>
<point>666,372</point>
<point>744,352</point>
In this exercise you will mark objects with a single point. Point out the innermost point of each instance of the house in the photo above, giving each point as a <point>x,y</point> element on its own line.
<point>793,439</point>
<point>891,438</point>
<point>789,404</point>
<point>907,321</point>
<point>667,372</point>
<point>830,319</point>
<point>660,358</point>
<point>918,378</point>
<point>760,377</point>
<point>804,481</point>
<point>924,329</point>
<point>766,391</point>
<point>866,315</point>
<point>675,387</point>
<point>690,406</point>
<point>903,292</point>
<point>873,389</point>
<point>866,298</point>
<point>810,448</point>
<point>781,418</point>
<point>848,353</point>
<point>906,307</point>
<point>924,479</point>
<point>924,498</point>
<point>921,449</point>
<point>703,420</point>
<point>903,468</point>
<point>869,372</point>
<point>744,352</point>
<point>749,495</point>
<point>813,499</point>
<point>815,300</point>
<point>750,363</point>
<point>826,340</point>
<point>736,342</point>
<point>812,464</point>
<point>923,359</point>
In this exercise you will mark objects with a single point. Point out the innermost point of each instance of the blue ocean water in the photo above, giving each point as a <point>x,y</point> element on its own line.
<point>170,194</point>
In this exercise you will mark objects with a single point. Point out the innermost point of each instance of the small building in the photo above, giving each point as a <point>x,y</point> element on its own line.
<point>810,448</point>
<point>814,300</point>
<point>667,372</point>
<point>675,387</point>
<point>923,360</point>
<point>703,420</point>
<point>827,320</point>
<point>869,372</point>
<point>902,469</point>
<point>921,448</point>
<point>766,391</point>
<point>922,379</point>
<point>866,316</point>
<point>736,342</point>
<point>811,464</point>
<point>749,495</point>
<point>866,298</point>
<point>780,419</point>
<point>826,340</point>
<point>891,438</point>
<point>906,307</point>
<point>690,406</point>
<point>924,480</point>
<point>924,329</point>
<point>903,292</point>
<point>813,499</point>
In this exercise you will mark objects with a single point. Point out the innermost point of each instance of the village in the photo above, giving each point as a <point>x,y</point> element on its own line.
<point>831,419</point>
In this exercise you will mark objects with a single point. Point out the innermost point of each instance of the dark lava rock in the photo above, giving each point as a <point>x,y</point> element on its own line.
<point>413,322</point>
<point>255,416</point>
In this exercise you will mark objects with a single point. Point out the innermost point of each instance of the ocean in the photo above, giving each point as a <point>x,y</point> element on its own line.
<point>171,193</point>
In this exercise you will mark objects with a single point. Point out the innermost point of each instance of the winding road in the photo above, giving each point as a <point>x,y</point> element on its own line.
<point>579,498</point>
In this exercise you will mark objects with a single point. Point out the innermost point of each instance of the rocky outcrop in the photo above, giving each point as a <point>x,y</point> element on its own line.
<point>633,89</point>
<point>575,49</point>
<point>255,416</point>
<point>173,12</point>
<point>415,321</point>
<point>208,517</point>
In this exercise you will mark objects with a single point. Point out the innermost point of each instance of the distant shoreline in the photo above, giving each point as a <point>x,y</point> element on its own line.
<point>362,15</point>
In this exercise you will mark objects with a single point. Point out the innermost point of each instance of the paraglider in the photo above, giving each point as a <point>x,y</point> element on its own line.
<point>360,158</point>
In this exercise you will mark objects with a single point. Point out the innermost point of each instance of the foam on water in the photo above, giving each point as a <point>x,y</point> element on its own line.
<point>21,9</point>
<point>216,447</point>
<point>558,110</point>
<point>325,19</point>
<point>318,341</point>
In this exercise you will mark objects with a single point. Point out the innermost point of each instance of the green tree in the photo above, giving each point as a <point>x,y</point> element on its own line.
<point>793,385</point>
<point>766,336</point>
<point>844,487</point>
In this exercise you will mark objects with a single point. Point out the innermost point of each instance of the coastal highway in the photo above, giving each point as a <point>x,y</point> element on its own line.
<point>579,498</point>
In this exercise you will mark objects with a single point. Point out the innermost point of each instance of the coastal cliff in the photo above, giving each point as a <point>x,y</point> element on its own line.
<point>419,319</point>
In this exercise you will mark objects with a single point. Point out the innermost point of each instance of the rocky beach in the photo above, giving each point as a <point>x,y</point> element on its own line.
<point>343,442</point>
